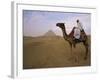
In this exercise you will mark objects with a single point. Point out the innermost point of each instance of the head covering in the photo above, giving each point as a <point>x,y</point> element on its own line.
<point>77,20</point>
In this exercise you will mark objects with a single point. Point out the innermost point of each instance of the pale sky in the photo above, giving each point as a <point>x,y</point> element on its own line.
<point>37,23</point>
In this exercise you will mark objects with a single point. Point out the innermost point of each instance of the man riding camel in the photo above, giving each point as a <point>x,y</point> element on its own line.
<point>79,31</point>
<point>79,25</point>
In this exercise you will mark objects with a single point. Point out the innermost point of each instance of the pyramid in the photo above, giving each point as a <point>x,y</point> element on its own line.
<point>50,33</point>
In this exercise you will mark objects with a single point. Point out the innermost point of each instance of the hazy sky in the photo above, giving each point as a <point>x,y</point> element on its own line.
<point>37,23</point>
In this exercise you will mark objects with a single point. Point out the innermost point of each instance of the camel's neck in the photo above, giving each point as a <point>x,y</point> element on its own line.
<point>64,34</point>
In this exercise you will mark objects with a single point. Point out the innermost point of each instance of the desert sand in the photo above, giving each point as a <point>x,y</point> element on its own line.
<point>51,52</point>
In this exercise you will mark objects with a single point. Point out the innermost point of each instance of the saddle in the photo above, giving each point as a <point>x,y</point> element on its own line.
<point>82,35</point>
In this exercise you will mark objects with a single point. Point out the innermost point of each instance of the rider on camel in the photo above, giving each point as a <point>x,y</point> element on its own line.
<point>79,31</point>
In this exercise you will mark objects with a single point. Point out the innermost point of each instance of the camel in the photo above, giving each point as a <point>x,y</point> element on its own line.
<point>71,40</point>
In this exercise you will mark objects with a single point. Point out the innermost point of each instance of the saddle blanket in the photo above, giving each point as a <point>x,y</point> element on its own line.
<point>77,33</point>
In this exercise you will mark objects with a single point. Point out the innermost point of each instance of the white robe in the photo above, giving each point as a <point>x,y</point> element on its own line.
<point>77,33</point>
<point>79,25</point>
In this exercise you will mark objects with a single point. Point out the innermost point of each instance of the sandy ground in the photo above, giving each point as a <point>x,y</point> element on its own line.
<point>50,52</point>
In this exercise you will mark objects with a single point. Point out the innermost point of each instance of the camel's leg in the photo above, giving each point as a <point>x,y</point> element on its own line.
<point>70,51</point>
<point>71,48</point>
<point>74,44</point>
<point>73,55</point>
<point>86,47</point>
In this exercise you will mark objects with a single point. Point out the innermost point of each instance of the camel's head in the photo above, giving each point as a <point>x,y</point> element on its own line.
<point>61,25</point>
